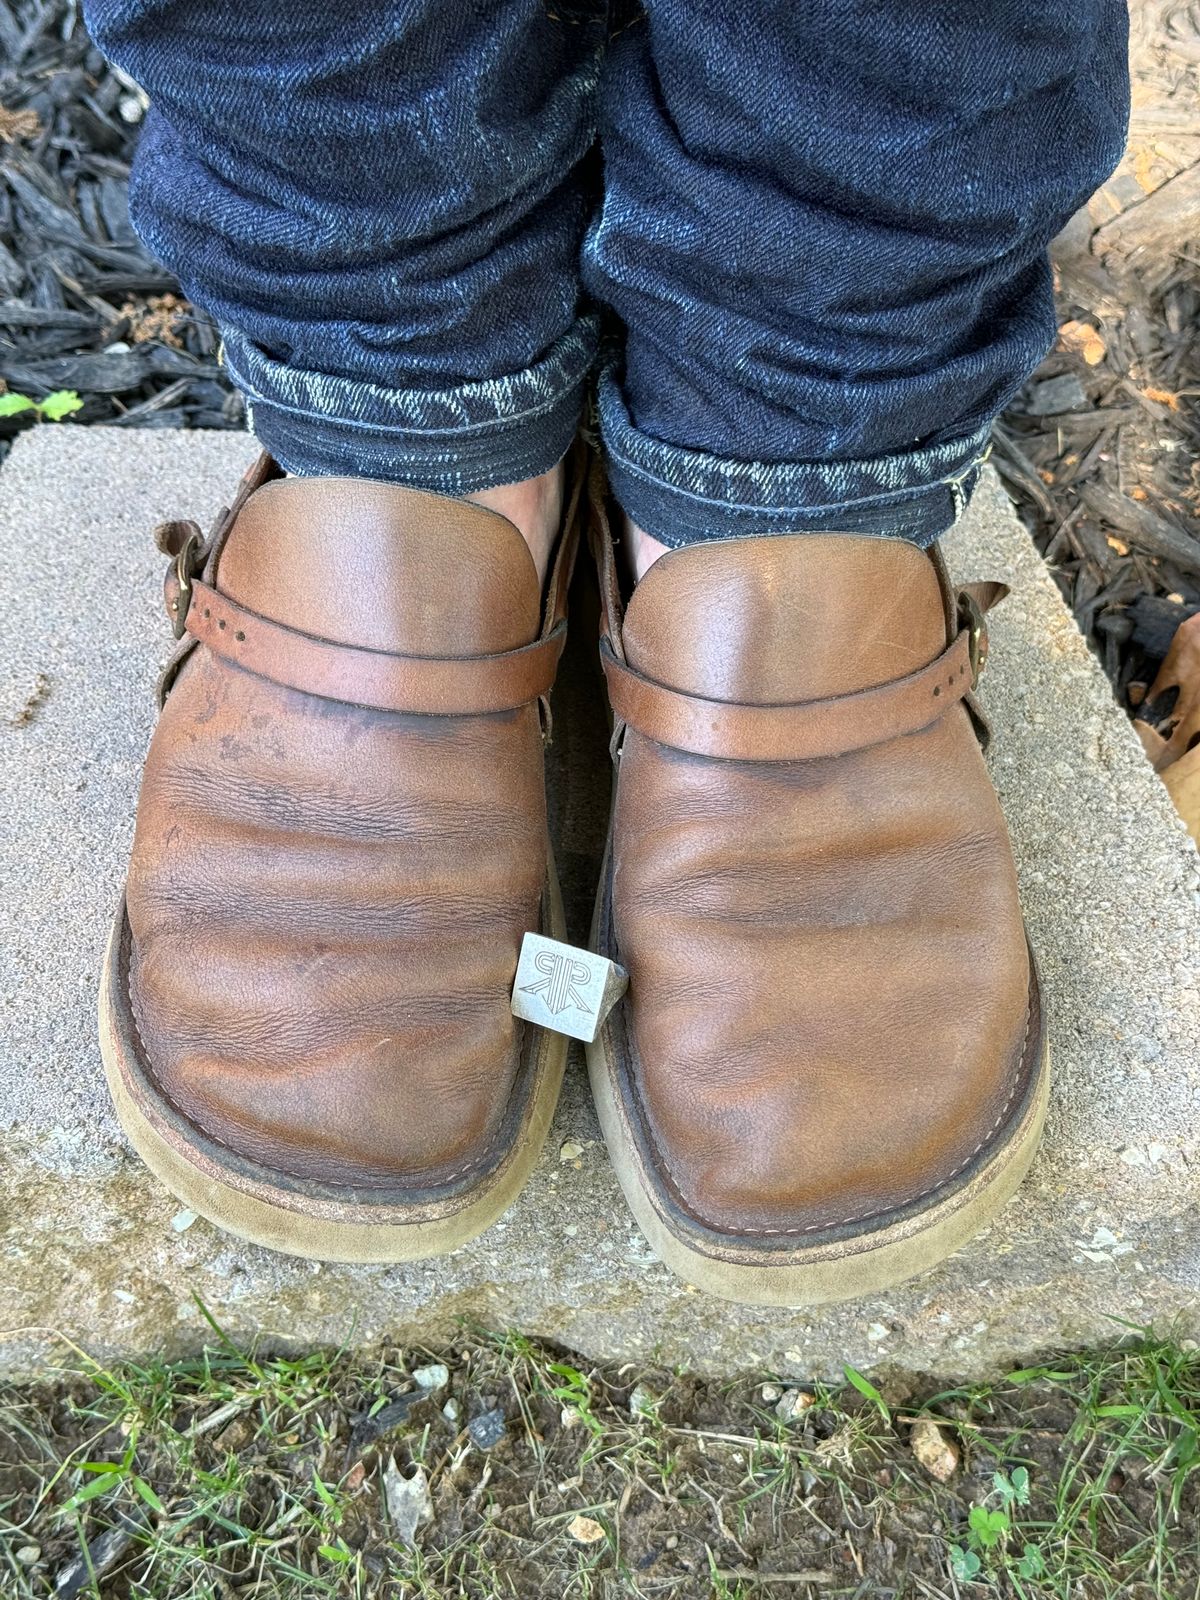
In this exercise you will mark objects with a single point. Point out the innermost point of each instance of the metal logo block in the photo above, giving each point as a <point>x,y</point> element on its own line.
<point>561,987</point>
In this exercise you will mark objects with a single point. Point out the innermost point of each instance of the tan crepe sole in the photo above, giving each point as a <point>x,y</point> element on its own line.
<point>321,1225</point>
<point>816,1274</point>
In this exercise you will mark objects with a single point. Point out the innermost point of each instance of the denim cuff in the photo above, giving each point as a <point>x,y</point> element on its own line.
<point>681,496</point>
<point>452,441</point>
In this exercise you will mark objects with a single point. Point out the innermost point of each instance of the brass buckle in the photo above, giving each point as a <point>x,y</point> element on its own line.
<point>970,617</point>
<point>184,543</point>
<point>187,564</point>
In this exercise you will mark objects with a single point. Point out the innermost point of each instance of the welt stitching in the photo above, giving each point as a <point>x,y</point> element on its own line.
<point>861,1216</point>
<point>212,1138</point>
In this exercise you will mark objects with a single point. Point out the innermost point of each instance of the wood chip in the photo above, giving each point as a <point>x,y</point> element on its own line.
<point>1084,340</point>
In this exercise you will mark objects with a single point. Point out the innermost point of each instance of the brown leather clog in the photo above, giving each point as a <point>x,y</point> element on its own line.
<point>340,842</point>
<point>829,1070</point>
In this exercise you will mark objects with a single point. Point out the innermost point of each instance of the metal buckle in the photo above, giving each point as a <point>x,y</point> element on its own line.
<point>970,617</point>
<point>187,564</point>
<point>182,540</point>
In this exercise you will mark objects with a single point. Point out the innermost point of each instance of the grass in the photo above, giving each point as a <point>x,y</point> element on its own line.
<point>239,1474</point>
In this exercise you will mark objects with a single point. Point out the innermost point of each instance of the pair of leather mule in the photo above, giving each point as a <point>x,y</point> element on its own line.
<point>828,1070</point>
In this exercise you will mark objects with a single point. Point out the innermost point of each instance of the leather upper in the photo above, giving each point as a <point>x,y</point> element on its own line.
<point>829,979</point>
<point>326,899</point>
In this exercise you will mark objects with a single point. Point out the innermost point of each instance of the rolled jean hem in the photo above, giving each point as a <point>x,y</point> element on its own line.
<point>452,441</point>
<point>682,496</point>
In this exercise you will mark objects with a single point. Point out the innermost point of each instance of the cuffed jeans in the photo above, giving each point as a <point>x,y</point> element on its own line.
<point>815,242</point>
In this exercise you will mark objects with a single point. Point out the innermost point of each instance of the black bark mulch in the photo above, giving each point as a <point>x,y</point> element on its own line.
<point>83,306</point>
<point>1102,453</point>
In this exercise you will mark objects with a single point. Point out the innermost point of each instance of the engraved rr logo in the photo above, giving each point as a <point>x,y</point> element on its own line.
<point>562,973</point>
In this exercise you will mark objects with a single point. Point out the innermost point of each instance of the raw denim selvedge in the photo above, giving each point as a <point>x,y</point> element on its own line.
<point>820,240</point>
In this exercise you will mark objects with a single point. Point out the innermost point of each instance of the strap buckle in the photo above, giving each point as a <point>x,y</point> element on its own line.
<point>184,541</point>
<point>970,618</point>
<point>187,564</point>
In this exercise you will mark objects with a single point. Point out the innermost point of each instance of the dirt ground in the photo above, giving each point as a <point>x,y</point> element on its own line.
<point>504,1468</point>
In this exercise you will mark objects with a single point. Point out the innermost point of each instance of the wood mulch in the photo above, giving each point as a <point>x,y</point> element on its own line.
<point>1101,451</point>
<point>83,305</point>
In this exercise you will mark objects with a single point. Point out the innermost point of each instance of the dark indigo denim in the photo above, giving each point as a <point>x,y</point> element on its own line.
<point>821,240</point>
<point>381,203</point>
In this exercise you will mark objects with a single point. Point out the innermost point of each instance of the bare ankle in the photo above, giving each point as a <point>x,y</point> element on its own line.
<point>644,549</point>
<point>534,506</point>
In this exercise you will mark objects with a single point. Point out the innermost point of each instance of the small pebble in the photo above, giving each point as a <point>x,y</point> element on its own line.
<point>934,1449</point>
<point>642,1401</point>
<point>28,1554</point>
<point>793,1403</point>
<point>770,1392</point>
<point>434,1376</point>
<point>571,1151</point>
<point>182,1221</point>
<point>486,1430</point>
<point>451,1410</point>
<point>585,1530</point>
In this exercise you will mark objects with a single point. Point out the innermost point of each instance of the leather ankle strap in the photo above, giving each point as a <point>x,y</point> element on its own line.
<point>424,685</point>
<point>380,680</point>
<point>809,730</point>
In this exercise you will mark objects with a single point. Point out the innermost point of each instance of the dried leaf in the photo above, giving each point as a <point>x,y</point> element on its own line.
<point>17,125</point>
<point>1163,397</point>
<point>935,1451</point>
<point>1153,742</point>
<point>1172,738</point>
<point>1180,671</point>
<point>1183,785</point>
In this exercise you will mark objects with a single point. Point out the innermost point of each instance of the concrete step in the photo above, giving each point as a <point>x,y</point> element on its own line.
<point>1107,1226</point>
